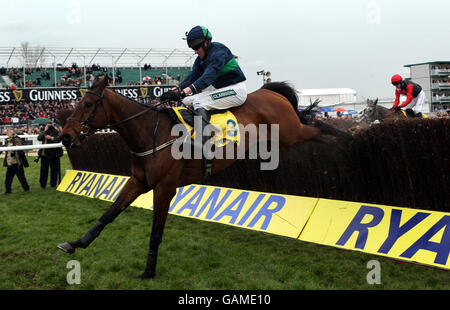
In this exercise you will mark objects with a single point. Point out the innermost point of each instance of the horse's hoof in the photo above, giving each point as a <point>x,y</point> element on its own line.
<point>66,247</point>
<point>145,275</point>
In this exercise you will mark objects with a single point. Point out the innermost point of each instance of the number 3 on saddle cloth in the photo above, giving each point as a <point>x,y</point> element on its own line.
<point>225,121</point>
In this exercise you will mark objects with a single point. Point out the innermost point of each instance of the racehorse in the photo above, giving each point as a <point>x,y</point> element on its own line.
<point>145,127</point>
<point>374,112</point>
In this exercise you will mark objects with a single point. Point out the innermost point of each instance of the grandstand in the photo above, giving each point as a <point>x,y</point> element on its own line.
<point>50,67</point>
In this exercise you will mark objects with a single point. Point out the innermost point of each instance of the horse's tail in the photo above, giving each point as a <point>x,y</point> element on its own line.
<point>307,115</point>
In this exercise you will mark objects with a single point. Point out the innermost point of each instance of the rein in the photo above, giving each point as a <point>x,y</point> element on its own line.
<point>86,130</point>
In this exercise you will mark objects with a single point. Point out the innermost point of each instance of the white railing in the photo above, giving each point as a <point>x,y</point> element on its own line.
<point>35,141</point>
<point>30,147</point>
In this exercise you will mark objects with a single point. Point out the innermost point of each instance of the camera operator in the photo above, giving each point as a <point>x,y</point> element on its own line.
<point>15,161</point>
<point>50,158</point>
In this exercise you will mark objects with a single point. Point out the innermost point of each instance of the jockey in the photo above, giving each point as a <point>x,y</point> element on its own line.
<point>216,81</point>
<point>415,96</point>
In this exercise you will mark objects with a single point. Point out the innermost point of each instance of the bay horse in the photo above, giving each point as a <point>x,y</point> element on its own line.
<point>147,128</point>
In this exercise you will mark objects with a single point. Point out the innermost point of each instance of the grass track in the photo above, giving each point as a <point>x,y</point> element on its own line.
<point>194,254</point>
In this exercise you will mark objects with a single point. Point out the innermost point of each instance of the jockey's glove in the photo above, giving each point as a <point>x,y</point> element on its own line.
<point>172,95</point>
<point>396,109</point>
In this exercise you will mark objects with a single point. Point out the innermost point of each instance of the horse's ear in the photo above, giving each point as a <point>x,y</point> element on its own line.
<point>376,101</point>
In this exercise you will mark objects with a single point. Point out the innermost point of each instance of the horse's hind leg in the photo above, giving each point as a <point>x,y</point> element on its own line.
<point>130,192</point>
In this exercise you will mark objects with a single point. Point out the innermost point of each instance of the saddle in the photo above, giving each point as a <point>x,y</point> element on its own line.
<point>225,121</point>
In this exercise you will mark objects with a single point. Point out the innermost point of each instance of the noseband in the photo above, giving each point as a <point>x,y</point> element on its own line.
<point>85,129</point>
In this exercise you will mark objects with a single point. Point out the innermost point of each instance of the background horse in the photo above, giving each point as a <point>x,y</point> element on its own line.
<point>375,112</point>
<point>143,128</point>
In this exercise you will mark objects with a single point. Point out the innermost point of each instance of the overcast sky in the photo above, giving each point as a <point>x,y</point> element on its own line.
<point>356,44</point>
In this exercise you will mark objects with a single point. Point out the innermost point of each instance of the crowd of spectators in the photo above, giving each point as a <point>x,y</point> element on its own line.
<point>442,95</point>
<point>443,113</point>
<point>156,80</point>
<point>440,82</point>
<point>21,130</point>
<point>25,112</point>
<point>74,76</point>
<point>16,76</point>
<point>441,68</point>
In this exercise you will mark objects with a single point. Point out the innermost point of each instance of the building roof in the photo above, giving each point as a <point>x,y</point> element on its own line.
<point>326,91</point>
<point>106,57</point>
<point>429,63</point>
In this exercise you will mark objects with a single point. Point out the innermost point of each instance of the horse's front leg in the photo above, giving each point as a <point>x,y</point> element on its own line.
<point>163,194</point>
<point>132,189</point>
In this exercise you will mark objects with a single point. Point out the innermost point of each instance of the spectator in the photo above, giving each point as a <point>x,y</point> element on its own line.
<point>15,161</point>
<point>50,158</point>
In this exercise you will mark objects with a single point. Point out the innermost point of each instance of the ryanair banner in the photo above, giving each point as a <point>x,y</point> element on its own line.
<point>406,234</point>
<point>273,213</point>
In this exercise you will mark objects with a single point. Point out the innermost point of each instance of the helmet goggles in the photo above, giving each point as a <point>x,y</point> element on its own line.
<point>195,44</point>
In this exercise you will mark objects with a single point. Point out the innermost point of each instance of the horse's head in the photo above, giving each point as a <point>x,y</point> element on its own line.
<point>89,115</point>
<point>370,113</point>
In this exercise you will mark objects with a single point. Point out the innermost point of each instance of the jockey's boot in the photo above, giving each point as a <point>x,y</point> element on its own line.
<point>208,155</point>
<point>410,113</point>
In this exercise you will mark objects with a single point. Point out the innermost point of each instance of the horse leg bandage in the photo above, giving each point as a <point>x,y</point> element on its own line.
<point>92,233</point>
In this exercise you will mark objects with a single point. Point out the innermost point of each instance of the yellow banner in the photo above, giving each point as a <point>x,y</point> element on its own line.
<point>407,234</point>
<point>273,213</point>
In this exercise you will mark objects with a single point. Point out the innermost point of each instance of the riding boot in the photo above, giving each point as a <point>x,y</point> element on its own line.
<point>410,113</point>
<point>207,157</point>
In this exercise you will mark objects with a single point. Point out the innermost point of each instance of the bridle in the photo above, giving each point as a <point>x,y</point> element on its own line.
<point>86,129</point>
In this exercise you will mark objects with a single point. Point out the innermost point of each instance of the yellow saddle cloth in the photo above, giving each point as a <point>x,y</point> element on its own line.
<point>423,115</point>
<point>226,122</point>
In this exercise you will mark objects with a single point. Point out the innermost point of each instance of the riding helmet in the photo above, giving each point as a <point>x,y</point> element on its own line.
<point>396,79</point>
<point>197,35</point>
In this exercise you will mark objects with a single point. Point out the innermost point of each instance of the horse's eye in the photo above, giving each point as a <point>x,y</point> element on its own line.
<point>88,104</point>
